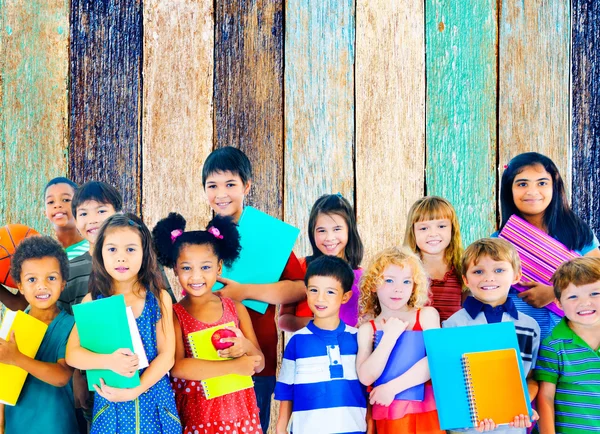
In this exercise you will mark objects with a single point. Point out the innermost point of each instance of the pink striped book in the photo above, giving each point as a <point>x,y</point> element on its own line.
<point>540,254</point>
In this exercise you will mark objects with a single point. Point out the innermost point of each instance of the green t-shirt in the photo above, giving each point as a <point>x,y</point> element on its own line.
<point>78,249</point>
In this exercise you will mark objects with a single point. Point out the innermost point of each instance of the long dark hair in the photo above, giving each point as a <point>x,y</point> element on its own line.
<point>561,222</point>
<point>149,277</point>
<point>336,204</point>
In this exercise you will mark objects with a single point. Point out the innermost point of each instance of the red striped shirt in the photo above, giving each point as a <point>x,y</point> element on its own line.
<point>446,294</point>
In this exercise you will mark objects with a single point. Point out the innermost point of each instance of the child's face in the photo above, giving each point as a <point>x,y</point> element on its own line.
<point>490,280</point>
<point>325,295</point>
<point>582,303</point>
<point>122,254</point>
<point>397,287</point>
<point>197,269</point>
<point>41,282</point>
<point>225,192</point>
<point>90,216</point>
<point>433,236</point>
<point>532,190</point>
<point>58,205</point>
<point>331,235</point>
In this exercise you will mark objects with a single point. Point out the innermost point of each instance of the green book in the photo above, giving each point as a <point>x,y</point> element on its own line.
<point>103,328</point>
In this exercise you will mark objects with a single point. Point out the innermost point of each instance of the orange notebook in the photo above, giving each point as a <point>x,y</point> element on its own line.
<point>494,386</point>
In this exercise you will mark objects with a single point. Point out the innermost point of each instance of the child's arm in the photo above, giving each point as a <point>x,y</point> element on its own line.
<point>282,292</point>
<point>545,404</point>
<point>285,412</point>
<point>12,301</point>
<point>1,418</point>
<point>289,321</point>
<point>284,388</point>
<point>56,374</point>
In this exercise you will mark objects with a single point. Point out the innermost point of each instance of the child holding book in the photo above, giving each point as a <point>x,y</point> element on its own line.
<point>125,263</point>
<point>569,361</point>
<point>394,292</point>
<point>433,233</point>
<point>40,269</point>
<point>318,385</point>
<point>489,267</point>
<point>197,258</point>
<point>332,231</point>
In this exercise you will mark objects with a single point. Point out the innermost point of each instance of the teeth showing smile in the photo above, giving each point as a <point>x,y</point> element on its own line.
<point>586,312</point>
<point>59,215</point>
<point>196,285</point>
<point>42,296</point>
<point>92,231</point>
<point>320,308</point>
<point>488,288</point>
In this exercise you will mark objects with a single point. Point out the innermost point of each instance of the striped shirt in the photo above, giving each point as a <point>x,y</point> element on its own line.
<point>318,375</point>
<point>446,294</point>
<point>567,361</point>
<point>78,249</point>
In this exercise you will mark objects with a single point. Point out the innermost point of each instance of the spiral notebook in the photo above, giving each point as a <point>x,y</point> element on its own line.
<point>202,348</point>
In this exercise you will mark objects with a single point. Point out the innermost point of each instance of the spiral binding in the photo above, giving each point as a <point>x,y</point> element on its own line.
<point>195,354</point>
<point>470,392</point>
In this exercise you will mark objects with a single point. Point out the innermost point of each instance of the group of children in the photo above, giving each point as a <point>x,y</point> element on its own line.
<point>329,366</point>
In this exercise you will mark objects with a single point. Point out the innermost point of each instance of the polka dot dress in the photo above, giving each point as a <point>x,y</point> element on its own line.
<point>235,413</point>
<point>154,411</point>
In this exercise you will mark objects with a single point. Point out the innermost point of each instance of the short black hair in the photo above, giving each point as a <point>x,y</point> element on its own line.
<point>38,247</point>
<point>60,180</point>
<point>227,159</point>
<point>331,266</point>
<point>99,191</point>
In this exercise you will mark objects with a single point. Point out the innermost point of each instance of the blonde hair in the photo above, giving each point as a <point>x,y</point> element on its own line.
<point>496,248</point>
<point>578,271</point>
<point>372,278</point>
<point>435,208</point>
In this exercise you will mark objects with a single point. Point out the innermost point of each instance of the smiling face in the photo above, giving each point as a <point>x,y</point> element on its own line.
<point>41,282</point>
<point>122,254</point>
<point>532,191</point>
<point>395,291</point>
<point>490,280</point>
<point>325,295</point>
<point>225,192</point>
<point>433,236</point>
<point>197,269</point>
<point>582,303</point>
<point>58,205</point>
<point>90,216</point>
<point>331,235</point>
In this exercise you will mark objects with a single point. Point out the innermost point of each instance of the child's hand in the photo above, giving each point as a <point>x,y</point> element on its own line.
<point>114,394</point>
<point>9,352</point>
<point>393,328</point>
<point>486,425</point>
<point>124,362</point>
<point>538,295</point>
<point>80,390</point>
<point>522,421</point>
<point>246,365</point>
<point>232,289</point>
<point>382,395</point>
<point>241,345</point>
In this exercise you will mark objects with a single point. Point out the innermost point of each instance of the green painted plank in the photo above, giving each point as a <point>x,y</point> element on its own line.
<point>461,40</point>
<point>33,105</point>
<point>319,106</point>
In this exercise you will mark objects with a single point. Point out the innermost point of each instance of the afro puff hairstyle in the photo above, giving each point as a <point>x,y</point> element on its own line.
<point>38,248</point>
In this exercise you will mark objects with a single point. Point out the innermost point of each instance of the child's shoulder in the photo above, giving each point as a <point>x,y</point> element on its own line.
<point>461,318</point>
<point>527,322</point>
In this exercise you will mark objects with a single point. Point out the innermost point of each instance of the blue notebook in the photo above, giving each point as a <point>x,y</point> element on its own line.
<point>409,349</point>
<point>267,243</point>
<point>445,349</point>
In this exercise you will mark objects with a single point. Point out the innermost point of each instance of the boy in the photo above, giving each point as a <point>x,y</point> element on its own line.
<point>40,268</point>
<point>568,367</point>
<point>226,178</point>
<point>489,267</point>
<point>318,383</point>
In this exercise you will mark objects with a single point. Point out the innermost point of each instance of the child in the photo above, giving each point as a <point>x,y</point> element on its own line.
<point>197,258</point>
<point>394,292</point>
<point>318,386</point>
<point>489,267</point>
<point>40,269</point>
<point>533,189</point>
<point>124,263</point>
<point>226,178</point>
<point>433,233</point>
<point>569,360</point>
<point>332,231</point>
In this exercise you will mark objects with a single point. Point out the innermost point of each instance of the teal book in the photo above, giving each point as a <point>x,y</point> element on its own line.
<point>267,243</point>
<point>103,328</point>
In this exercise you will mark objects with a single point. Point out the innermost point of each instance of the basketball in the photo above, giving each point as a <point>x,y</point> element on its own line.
<point>10,237</point>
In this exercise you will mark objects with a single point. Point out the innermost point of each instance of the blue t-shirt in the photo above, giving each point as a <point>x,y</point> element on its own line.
<point>42,407</point>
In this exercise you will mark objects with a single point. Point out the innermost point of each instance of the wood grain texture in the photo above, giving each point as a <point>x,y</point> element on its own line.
<point>390,118</point>
<point>534,106</point>
<point>461,63</point>
<point>586,110</point>
<point>249,92</point>
<point>319,106</point>
<point>106,67</point>
<point>33,106</point>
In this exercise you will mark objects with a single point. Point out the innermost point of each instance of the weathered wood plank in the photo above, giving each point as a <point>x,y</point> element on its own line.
<point>586,110</point>
<point>106,67</point>
<point>461,110</point>
<point>249,92</point>
<point>390,117</point>
<point>319,106</point>
<point>34,68</point>
<point>534,107</point>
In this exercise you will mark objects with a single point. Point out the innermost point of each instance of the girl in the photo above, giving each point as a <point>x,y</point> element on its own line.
<point>124,263</point>
<point>533,189</point>
<point>394,292</point>
<point>332,231</point>
<point>197,258</point>
<point>433,233</point>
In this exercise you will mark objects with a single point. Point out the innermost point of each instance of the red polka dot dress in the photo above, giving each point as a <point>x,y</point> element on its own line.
<point>235,413</point>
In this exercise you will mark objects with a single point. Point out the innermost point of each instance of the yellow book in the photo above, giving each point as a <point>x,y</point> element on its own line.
<point>202,348</point>
<point>29,333</point>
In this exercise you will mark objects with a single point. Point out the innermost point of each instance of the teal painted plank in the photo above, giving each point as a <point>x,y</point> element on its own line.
<point>461,40</point>
<point>33,106</point>
<point>319,106</point>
